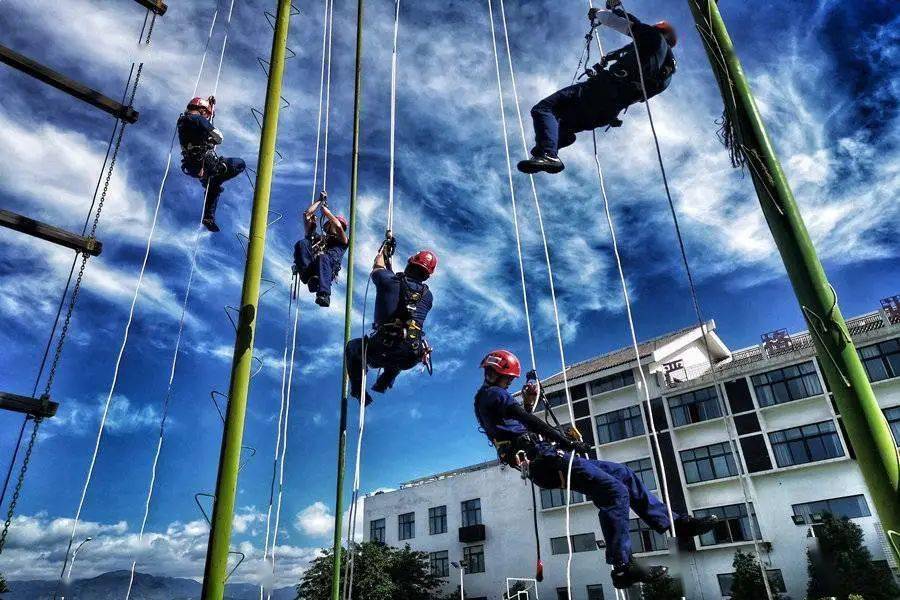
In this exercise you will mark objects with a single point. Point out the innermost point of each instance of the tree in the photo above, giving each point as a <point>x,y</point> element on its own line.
<point>748,582</point>
<point>3,587</point>
<point>379,573</point>
<point>842,565</point>
<point>666,588</point>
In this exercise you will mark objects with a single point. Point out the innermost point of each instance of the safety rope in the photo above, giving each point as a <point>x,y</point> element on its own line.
<point>36,422</point>
<point>330,8</point>
<point>550,278</point>
<point>130,320</point>
<point>732,437</point>
<point>390,210</point>
<point>325,49</point>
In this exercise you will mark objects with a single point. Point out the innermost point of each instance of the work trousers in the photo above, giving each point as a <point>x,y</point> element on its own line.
<point>392,358</point>
<point>317,272</point>
<point>212,171</point>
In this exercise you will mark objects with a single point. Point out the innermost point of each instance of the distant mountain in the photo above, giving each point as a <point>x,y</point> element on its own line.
<point>112,586</point>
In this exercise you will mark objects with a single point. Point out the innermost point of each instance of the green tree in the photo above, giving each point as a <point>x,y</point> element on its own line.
<point>841,565</point>
<point>748,582</point>
<point>666,588</point>
<point>379,573</point>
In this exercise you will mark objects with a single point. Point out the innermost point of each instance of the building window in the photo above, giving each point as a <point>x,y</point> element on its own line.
<point>554,498</point>
<point>733,526</point>
<point>437,520</point>
<point>806,444</point>
<point>620,424</point>
<point>893,417</point>
<point>708,462</point>
<point>612,382</point>
<point>643,468</point>
<point>440,563</point>
<point>694,407</point>
<point>582,542</point>
<point>474,557</point>
<point>882,361</point>
<point>562,593</point>
<point>376,530</point>
<point>595,592</point>
<point>407,526</point>
<point>790,383</point>
<point>471,512</point>
<point>644,539</point>
<point>776,582</point>
<point>848,507</point>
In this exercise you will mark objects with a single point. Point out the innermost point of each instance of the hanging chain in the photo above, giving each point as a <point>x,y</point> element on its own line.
<point>51,375</point>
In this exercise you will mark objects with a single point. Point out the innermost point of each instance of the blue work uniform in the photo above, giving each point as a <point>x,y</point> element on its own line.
<point>318,270</point>
<point>397,340</point>
<point>612,487</point>
<point>199,159</point>
<point>598,101</point>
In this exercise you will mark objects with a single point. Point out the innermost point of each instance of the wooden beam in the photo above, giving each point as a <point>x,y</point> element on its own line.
<point>69,86</point>
<point>50,233</point>
<point>157,6</point>
<point>36,407</point>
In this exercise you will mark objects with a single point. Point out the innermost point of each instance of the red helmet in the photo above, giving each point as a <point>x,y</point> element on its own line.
<point>425,259</point>
<point>199,103</point>
<point>668,32</point>
<point>343,221</point>
<point>502,362</point>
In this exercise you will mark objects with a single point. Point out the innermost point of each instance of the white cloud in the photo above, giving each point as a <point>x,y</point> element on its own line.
<point>81,418</point>
<point>315,520</point>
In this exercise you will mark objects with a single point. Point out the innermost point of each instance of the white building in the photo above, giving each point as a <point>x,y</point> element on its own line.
<point>790,445</point>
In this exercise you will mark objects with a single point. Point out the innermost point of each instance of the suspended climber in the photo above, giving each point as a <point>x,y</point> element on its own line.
<point>542,452</point>
<point>397,342</point>
<point>318,256</point>
<point>612,85</point>
<point>199,138</point>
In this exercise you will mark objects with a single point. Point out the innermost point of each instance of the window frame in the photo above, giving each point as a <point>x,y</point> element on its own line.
<point>689,408</point>
<point>557,498</point>
<point>467,513</point>
<point>775,577</point>
<point>445,560</point>
<point>611,383</point>
<point>893,422</point>
<point>644,465</point>
<point>728,455</point>
<point>559,546</point>
<point>467,557</point>
<point>373,528</point>
<point>646,536</point>
<point>435,517</point>
<point>409,523</point>
<point>751,522</point>
<point>786,444</point>
<point>768,386</point>
<point>886,357</point>
<point>629,419</point>
<point>798,508</point>
<point>594,587</point>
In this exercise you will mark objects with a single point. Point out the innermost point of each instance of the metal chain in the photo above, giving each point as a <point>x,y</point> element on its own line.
<point>70,310</point>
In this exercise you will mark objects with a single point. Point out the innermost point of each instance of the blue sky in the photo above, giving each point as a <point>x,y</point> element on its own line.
<point>822,73</point>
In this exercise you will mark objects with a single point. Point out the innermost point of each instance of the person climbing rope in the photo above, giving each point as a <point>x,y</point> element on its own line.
<point>199,138</point>
<point>397,342</point>
<point>319,254</point>
<point>542,452</point>
<point>612,85</point>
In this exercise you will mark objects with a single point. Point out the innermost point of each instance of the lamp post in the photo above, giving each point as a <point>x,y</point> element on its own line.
<point>461,565</point>
<point>72,564</point>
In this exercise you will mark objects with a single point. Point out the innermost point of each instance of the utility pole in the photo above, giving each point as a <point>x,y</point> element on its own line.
<point>214,574</point>
<point>348,314</point>
<point>749,143</point>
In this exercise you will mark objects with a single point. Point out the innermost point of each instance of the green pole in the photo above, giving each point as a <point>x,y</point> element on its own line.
<point>866,426</point>
<point>215,573</point>
<point>348,312</point>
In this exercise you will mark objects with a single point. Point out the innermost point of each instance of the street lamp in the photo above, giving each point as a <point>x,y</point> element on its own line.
<point>461,565</point>
<point>72,564</point>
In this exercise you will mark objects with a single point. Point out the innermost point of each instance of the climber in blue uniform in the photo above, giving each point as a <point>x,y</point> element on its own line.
<point>612,86</point>
<point>524,441</point>
<point>318,256</point>
<point>397,342</point>
<point>199,138</point>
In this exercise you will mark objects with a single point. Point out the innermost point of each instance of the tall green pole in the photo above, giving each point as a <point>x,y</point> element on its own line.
<point>348,312</point>
<point>866,426</point>
<point>215,572</point>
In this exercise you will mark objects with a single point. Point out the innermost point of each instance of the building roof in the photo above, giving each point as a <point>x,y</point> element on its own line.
<point>621,356</point>
<point>438,476</point>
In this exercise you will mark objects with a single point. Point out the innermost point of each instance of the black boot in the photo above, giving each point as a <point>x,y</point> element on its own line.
<point>381,385</point>
<point>541,162</point>
<point>323,299</point>
<point>625,576</point>
<point>687,526</point>
<point>213,191</point>
<point>209,221</point>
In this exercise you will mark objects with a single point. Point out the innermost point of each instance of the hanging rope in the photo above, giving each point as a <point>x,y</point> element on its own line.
<point>330,9</point>
<point>732,437</point>
<point>130,320</point>
<point>72,302</point>
<point>390,210</point>
<point>550,277</point>
<point>325,51</point>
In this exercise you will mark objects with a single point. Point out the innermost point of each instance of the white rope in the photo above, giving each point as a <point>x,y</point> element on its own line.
<point>315,178</point>
<point>328,94</point>
<point>137,289</point>
<point>390,210</point>
<point>555,304</point>
<point>732,437</point>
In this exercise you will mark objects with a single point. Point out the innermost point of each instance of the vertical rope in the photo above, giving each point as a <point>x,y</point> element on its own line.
<point>328,94</point>
<point>390,210</point>
<point>315,179</point>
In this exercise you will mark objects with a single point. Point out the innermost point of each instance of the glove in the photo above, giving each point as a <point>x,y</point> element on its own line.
<point>323,197</point>
<point>612,4</point>
<point>211,99</point>
<point>216,136</point>
<point>580,448</point>
<point>592,14</point>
